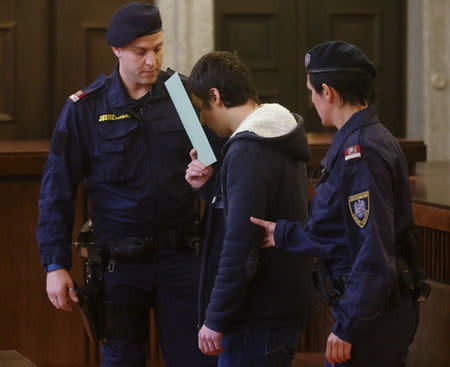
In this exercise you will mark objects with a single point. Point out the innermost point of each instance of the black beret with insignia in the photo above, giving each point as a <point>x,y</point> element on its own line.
<point>338,56</point>
<point>131,21</point>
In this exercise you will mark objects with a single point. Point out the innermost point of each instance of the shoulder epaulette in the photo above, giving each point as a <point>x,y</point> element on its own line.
<point>98,83</point>
<point>352,152</point>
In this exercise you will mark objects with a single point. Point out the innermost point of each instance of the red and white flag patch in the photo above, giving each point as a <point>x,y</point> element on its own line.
<point>352,152</point>
<point>77,96</point>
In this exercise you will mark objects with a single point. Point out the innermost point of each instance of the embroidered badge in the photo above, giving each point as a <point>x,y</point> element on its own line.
<point>77,96</point>
<point>112,117</point>
<point>352,152</point>
<point>359,205</point>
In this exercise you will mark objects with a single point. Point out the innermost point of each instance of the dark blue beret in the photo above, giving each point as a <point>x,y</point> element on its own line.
<point>338,56</point>
<point>131,21</point>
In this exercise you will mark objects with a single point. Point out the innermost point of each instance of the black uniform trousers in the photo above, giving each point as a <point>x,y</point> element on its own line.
<point>166,281</point>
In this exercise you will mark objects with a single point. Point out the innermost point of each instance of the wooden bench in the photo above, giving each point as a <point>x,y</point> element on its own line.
<point>11,358</point>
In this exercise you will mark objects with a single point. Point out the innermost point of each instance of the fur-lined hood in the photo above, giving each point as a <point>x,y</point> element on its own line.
<point>274,124</point>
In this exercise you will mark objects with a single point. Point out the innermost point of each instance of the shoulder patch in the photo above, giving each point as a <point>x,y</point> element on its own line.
<point>98,83</point>
<point>77,96</point>
<point>359,206</point>
<point>352,152</point>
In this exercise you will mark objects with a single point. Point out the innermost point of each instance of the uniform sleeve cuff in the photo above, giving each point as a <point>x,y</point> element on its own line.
<point>213,326</point>
<point>52,267</point>
<point>279,233</point>
<point>341,332</point>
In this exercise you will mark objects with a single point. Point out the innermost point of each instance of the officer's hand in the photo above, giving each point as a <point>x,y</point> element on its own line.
<point>338,350</point>
<point>269,229</point>
<point>197,173</point>
<point>59,285</point>
<point>209,341</point>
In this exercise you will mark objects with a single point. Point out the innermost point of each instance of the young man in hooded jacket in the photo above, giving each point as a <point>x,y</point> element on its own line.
<point>253,302</point>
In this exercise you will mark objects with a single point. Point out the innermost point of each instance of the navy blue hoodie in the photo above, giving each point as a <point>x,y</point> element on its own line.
<point>262,174</point>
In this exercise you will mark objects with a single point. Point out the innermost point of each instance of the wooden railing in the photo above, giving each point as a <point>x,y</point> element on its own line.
<point>48,337</point>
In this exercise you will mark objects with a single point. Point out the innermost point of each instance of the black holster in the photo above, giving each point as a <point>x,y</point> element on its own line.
<point>90,295</point>
<point>408,261</point>
<point>90,298</point>
<point>331,288</point>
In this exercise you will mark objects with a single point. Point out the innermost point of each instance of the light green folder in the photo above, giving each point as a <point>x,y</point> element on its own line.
<point>190,120</point>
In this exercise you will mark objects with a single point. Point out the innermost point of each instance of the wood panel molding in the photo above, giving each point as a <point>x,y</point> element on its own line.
<point>254,35</point>
<point>7,76</point>
<point>352,24</point>
<point>18,157</point>
<point>97,58</point>
<point>432,217</point>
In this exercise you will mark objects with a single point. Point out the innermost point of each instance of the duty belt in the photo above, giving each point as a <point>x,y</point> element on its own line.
<point>137,247</point>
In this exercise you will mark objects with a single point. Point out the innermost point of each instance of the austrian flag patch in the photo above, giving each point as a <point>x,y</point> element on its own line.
<point>352,152</point>
<point>77,96</point>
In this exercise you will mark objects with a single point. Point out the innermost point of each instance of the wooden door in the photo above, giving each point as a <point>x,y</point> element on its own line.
<point>263,32</point>
<point>378,28</point>
<point>273,36</point>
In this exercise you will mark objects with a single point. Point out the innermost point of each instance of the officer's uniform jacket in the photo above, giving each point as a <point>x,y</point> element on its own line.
<point>362,205</point>
<point>132,156</point>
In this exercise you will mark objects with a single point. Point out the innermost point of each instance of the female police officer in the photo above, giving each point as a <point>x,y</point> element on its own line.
<point>361,210</point>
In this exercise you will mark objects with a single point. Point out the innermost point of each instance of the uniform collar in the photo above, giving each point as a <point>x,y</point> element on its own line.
<point>357,120</point>
<point>118,94</point>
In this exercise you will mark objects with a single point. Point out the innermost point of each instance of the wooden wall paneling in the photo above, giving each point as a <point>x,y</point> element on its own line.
<point>29,322</point>
<point>435,253</point>
<point>265,37</point>
<point>314,337</point>
<point>8,54</point>
<point>7,65</point>
<point>82,52</point>
<point>379,29</point>
<point>24,81</point>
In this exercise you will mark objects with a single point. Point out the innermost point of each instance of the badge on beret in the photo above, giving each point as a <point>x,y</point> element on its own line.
<point>352,152</point>
<point>307,60</point>
<point>359,205</point>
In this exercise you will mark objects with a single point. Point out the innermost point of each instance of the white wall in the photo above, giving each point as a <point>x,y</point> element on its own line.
<point>188,32</point>
<point>428,75</point>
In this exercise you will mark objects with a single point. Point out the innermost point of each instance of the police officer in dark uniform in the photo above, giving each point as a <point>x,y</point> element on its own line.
<point>122,137</point>
<point>361,216</point>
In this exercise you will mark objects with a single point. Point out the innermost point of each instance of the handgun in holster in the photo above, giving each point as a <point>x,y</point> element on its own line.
<point>90,295</point>
<point>408,263</point>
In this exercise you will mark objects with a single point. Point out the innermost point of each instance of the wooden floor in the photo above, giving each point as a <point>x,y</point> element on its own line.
<point>309,360</point>
<point>300,360</point>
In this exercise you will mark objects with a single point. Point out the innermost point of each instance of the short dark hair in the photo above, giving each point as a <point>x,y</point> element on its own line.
<point>226,72</point>
<point>353,88</point>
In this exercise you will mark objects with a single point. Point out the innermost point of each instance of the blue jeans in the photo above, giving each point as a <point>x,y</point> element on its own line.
<point>252,347</point>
